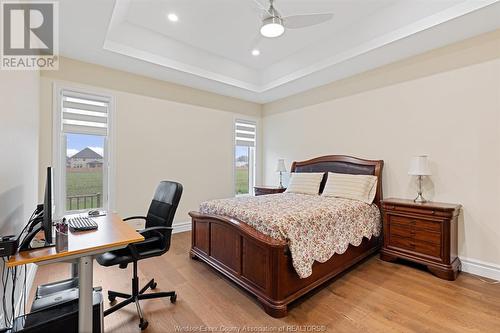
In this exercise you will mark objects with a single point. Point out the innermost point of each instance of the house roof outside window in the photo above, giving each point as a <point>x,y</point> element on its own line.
<point>87,153</point>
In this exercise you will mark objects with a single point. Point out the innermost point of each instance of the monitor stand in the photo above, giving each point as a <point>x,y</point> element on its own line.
<point>31,243</point>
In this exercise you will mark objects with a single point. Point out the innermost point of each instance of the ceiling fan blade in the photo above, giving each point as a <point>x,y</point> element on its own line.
<point>261,6</point>
<point>306,20</point>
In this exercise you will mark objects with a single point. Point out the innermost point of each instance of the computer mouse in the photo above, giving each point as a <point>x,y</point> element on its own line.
<point>94,213</point>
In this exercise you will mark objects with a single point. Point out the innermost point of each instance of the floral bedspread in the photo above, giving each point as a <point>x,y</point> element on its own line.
<point>316,227</point>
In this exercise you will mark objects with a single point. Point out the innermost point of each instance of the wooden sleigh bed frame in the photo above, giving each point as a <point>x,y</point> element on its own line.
<point>263,265</point>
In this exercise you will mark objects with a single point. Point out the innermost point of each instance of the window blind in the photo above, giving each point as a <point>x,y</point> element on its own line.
<point>245,133</point>
<point>82,113</point>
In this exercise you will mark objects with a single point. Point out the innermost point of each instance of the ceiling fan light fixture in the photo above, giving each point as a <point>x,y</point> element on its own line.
<point>272,27</point>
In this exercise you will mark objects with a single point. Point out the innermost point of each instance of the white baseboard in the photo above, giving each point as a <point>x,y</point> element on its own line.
<point>478,267</point>
<point>182,227</point>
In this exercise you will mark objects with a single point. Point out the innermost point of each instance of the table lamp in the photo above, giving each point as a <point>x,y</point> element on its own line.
<point>281,168</point>
<point>419,166</point>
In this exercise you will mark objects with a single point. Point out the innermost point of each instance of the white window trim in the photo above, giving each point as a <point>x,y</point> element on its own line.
<point>59,152</point>
<point>255,175</point>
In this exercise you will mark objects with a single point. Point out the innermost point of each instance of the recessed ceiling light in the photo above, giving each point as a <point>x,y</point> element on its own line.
<point>172,17</point>
<point>255,52</point>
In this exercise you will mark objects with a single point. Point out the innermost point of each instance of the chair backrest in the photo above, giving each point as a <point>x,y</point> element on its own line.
<point>164,204</point>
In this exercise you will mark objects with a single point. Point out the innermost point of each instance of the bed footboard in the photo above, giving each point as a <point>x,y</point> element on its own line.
<point>260,264</point>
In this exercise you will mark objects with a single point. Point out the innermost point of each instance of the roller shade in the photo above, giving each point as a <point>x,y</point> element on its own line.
<point>245,133</point>
<point>82,113</point>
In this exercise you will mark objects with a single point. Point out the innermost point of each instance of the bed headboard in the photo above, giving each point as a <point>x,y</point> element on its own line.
<point>343,164</point>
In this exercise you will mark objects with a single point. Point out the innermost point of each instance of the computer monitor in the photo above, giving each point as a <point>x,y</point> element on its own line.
<point>47,208</point>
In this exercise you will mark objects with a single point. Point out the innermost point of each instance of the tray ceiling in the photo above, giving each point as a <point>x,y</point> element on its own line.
<point>210,46</point>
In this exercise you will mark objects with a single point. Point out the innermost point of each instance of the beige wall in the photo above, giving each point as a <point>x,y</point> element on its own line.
<point>474,50</point>
<point>158,135</point>
<point>19,91</point>
<point>451,114</point>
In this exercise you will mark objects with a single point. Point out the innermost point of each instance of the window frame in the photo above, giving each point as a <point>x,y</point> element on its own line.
<point>59,147</point>
<point>252,158</point>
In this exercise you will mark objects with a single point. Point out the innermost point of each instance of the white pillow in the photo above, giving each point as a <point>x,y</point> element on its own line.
<point>305,182</point>
<point>356,187</point>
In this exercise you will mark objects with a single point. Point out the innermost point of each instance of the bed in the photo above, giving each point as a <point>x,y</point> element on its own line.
<point>263,265</point>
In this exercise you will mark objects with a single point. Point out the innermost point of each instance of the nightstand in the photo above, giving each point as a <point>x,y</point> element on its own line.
<point>425,233</point>
<point>262,190</point>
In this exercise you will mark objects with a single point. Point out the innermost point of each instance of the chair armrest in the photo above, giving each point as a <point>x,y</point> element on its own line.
<point>157,230</point>
<point>134,218</point>
<point>147,233</point>
<point>163,232</point>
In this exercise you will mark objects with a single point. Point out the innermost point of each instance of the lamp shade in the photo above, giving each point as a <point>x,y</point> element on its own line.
<point>280,167</point>
<point>419,166</point>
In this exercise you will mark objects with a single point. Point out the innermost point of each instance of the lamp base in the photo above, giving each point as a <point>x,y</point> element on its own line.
<point>420,199</point>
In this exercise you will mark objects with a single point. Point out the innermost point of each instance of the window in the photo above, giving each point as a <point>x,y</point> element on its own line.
<point>244,156</point>
<point>82,145</point>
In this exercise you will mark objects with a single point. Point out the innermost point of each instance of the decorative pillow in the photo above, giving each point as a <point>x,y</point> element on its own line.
<point>305,182</point>
<point>356,187</point>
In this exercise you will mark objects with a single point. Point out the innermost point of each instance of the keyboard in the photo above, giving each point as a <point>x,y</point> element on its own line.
<point>81,223</point>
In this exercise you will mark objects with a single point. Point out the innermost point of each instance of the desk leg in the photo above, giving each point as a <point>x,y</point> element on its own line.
<point>74,269</point>
<point>85,304</point>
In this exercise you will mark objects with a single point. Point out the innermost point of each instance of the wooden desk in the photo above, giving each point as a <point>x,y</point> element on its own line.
<point>112,234</point>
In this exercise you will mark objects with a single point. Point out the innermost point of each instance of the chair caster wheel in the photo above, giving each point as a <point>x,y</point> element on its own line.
<point>111,299</point>
<point>143,324</point>
<point>173,299</point>
<point>153,285</point>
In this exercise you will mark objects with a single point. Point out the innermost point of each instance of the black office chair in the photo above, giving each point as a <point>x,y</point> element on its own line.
<point>157,241</point>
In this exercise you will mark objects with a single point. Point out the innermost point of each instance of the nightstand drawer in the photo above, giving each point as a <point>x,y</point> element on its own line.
<point>433,250</point>
<point>426,248</point>
<point>427,236</point>
<point>420,224</point>
<point>402,243</point>
<point>397,230</point>
<point>415,234</point>
<point>402,221</point>
<point>428,226</point>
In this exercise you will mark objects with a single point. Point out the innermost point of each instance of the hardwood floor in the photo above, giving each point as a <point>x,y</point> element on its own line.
<point>375,296</point>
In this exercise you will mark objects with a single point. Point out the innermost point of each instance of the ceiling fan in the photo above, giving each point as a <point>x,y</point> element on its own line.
<point>273,24</point>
